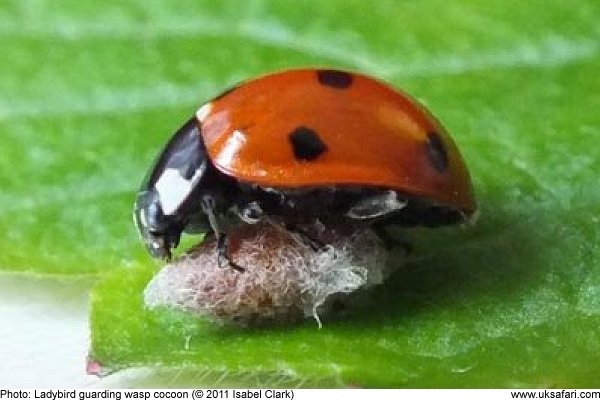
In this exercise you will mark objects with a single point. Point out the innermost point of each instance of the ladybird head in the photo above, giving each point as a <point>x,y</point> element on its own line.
<point>165,204</point>
<point>159,232</point>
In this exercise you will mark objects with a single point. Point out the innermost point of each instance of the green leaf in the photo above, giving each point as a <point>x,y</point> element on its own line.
<point>92,91</point>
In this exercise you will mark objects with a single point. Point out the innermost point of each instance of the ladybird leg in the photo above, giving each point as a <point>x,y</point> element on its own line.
<point>171,240</point>
<point>168,254</point>
<point>223,254</point>
<point>209,205</point>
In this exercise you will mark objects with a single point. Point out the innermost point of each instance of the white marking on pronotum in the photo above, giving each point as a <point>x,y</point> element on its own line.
<point>173,188</point>
<point>203,112</point>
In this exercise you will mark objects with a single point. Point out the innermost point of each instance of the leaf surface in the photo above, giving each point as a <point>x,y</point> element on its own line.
<point>94,90</point>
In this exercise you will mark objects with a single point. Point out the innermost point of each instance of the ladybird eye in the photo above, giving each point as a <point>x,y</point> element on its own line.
<point>148,213</point>
<point>155,218</point>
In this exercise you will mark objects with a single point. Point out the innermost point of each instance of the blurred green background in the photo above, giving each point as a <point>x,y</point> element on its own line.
<point>90,91</point>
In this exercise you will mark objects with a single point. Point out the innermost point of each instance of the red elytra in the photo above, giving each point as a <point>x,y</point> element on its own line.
<point>372,135</point>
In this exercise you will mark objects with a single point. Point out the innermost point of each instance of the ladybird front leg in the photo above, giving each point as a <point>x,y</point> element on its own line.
<point>209,205</point>
<point>223,254</point>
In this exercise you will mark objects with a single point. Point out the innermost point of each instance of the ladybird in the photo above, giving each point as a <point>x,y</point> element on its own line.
<point>299,146</point>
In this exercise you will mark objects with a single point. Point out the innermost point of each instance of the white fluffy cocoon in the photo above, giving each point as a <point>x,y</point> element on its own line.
<point>284,278</point>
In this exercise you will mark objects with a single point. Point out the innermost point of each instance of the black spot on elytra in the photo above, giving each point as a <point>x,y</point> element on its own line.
<point>306,144</point>
<point>335,79</point>
<point>436,151</point>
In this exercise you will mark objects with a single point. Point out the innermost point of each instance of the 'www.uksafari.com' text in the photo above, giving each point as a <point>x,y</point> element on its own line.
<point>555,394</point>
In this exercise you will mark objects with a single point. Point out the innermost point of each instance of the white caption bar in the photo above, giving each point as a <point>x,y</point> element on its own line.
<point>300,394</point>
